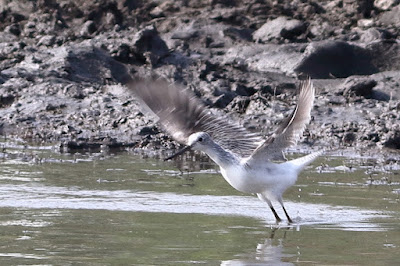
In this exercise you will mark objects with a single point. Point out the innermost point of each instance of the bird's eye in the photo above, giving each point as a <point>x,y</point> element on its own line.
<point>200,139</point>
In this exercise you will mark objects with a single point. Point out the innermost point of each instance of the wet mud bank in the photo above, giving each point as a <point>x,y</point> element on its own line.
<point>64,67</point>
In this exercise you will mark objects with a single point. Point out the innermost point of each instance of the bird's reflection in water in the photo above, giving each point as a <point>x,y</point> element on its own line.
<point>271,252</point>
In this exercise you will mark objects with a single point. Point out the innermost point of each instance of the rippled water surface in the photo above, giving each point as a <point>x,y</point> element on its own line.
<point>122,209</point>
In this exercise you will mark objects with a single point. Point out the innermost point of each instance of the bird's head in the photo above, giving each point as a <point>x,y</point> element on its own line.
<point>199,140</point>
<point>196,141</point>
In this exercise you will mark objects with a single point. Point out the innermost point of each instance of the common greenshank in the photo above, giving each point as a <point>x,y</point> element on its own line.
<point>247,162</point>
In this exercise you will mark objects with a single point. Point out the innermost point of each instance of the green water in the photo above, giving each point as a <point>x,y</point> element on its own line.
<point>122,209</point>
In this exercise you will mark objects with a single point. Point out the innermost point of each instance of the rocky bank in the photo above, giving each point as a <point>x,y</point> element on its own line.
<point>64,66</point>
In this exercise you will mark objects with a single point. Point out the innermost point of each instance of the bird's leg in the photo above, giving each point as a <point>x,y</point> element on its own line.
<point>286,213</point>
<point>278,219</point>
<point>264,198</point>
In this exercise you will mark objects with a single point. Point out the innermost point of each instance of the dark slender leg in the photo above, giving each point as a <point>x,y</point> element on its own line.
<point>278,219</point>
<point>286,213</point>
<point>263,198</point>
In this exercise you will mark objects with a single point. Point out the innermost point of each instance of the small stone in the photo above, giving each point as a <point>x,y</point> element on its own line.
<point>349,137</point>
<point>365,23</point>
<point>184,35</point>
<point>234,33</point>
<point>242,90</point>
<point>157,12</point>
<point>14,29</point>
<point>394,141</point>
<point>148,44</point>
<point>47,40</point>
<point>358,86</point>
<point>374,34</point>
<point>239,104</point>
<point>223,100</point>
<point>337,100</point>
<point>385,4</point>
<point>148,131</point>
<point>88,28</point>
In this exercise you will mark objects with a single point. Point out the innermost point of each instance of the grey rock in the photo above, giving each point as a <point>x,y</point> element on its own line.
<point>223,100</point>
<point>321,30</point>
<point>74,91</point>
<point>88,28</point>
<point>266,58</point>
<point>13,29</point>
<point>280,27</point>
<point>6,100</point>
<point>365,7</point>
<point>47,40</point>
<point>157,12</point>
<point>393,141</point>
<point>148,131</point>
<point>242,90</point>
<point>385,4</point>
<point>23,8</point>
<point>148,44</point>
<point>91,64</point>
<point>365,23</point>
<point>240,34</point>
<point>124,53</point>
<point>6,37</point>
<point>388,86</point>
<point>239,104</point>
<point>335,59</point>
<point>358,86</point>
<point>185,35</point>
<point>349,138</point>
<point>391,18</point>
<point>374,34</point>
<point>385,54</point>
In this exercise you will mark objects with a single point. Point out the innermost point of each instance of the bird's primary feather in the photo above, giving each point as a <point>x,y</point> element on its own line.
<point>182,114</point>
<point>291,129</point>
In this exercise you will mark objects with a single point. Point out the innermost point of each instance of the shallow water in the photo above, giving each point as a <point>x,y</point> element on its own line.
<point>101,209</point>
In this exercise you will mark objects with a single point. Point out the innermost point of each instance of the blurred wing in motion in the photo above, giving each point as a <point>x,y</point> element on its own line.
<point>291,129</point>
<point>182,114</point>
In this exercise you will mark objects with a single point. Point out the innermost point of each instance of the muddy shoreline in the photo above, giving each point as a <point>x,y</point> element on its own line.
<point>64,67</point>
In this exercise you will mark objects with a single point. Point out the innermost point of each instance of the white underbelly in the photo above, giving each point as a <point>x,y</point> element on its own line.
<point>240,180</point>
<point>273,179</point>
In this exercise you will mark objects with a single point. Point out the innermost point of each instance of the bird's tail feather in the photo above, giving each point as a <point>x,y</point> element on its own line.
<point>302,162</point>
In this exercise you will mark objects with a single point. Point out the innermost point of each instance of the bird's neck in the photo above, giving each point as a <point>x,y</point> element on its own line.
<point>221,157</point>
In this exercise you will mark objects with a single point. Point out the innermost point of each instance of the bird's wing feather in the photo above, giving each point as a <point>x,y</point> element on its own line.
<point>182,114</point>
<point>291,129</point>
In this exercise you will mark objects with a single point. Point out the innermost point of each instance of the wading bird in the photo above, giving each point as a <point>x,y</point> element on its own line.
<point>246,160</point>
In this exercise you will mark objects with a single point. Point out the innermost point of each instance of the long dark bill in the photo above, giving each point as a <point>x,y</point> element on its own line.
<point>178,153</point>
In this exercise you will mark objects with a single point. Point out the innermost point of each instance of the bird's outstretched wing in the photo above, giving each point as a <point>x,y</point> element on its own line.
<point>182,114</point>
<point>291,129</point>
